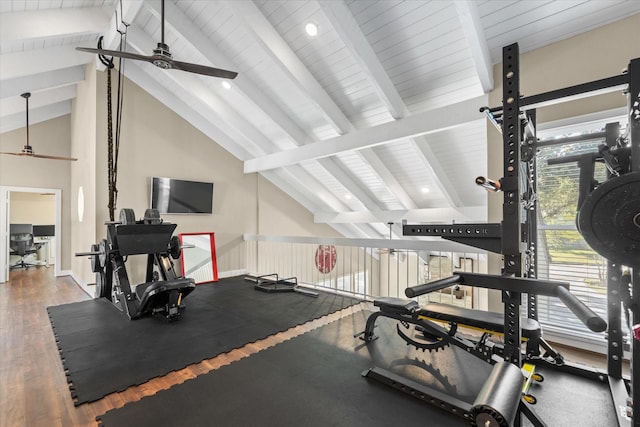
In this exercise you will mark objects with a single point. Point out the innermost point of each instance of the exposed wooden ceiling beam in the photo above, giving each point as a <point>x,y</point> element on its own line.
<point>424,123</point>
<point>52,23</point>
<point>41,81</point>
<point>29,62</point>
<point>474,33</point>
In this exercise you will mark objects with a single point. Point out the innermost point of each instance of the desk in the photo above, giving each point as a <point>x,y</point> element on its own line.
<point>44,253</point>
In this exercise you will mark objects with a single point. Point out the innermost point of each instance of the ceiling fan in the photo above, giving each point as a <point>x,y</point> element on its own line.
<point>162,58</point>
<point>393,252</point>
<point>27,150</point>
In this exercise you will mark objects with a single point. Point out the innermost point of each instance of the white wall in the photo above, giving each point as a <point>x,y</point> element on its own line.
<point>83,173</point>
<point>32,208</point>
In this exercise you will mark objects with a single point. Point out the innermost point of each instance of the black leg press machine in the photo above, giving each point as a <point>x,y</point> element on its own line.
<point>608,217</point>
<point>163,291</point>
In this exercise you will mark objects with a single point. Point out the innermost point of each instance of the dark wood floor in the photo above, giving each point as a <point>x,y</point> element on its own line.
<point>33,387</point>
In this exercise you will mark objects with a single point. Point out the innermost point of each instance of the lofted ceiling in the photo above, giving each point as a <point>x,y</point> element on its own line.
<point>373,120</point>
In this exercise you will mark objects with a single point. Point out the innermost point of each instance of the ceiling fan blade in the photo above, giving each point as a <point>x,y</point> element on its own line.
<point>41,156</point>
<point>203,69</point>
<point>44,156</point>
<point>119,54</point>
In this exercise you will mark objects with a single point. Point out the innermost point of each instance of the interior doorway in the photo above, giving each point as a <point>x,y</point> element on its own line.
<point>43,216</point>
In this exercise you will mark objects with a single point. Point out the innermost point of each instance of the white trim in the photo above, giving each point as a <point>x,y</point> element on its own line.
<point>81,283</point>
<point>580,123</point>
<point>232,273</point>
<point>437,244</point>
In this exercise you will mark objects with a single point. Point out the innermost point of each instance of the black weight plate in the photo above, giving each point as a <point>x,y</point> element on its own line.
<point>174,247</point>
<point>102,258</point>
<point>609,219</point>
<point>127,216</point>
<point>103,290</point>
<point>152,216</point>
<point>95,259</point>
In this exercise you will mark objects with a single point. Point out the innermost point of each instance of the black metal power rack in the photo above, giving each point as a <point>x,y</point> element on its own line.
<point>515,238</point>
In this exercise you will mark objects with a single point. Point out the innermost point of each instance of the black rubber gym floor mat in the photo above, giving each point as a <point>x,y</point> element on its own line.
<point>315,380</point>
<point>103,352</point>
<point>312,380</point>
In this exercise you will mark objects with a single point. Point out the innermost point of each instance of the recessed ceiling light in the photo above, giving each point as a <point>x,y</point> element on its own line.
<point>425,190</point>
<point>347,196</point>
<point>226,85</point>
<point>311,29</point>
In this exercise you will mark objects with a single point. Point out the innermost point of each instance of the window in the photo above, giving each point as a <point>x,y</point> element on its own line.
<point>563,254</point>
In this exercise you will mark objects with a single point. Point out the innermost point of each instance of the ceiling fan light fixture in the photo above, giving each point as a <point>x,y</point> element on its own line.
<point>311,29</point>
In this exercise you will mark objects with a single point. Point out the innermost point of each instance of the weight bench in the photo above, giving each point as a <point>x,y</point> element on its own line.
<point>500,397</point>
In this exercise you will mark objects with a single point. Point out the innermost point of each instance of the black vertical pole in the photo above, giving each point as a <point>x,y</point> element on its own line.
<point>26,96</point>
<point>614,296</point>
<point>634,112</point>
<point>511,231</point>
<point>634,134</point>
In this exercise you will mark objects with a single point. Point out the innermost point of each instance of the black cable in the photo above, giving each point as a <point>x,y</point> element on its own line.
<point>119,105</point>
<point>106,61</point>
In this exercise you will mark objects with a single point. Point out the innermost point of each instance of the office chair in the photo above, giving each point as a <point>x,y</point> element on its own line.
<point>22,245</point>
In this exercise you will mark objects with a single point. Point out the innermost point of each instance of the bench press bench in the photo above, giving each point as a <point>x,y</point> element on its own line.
<point>503,392</point>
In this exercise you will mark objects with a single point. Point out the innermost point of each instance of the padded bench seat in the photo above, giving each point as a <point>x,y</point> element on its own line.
<point>450,313</point>
<point>396,305</point>
<point>155,293</point>
<point>477,318</point>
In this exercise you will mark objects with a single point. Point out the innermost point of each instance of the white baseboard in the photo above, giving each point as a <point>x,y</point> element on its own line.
<point>81,283</point>
<point>232,273</point>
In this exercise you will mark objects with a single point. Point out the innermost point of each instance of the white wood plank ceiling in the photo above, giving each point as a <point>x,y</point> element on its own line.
<point>373,120</point>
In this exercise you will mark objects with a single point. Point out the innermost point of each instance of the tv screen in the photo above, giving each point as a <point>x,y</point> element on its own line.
<point>44,230</point>
<point>176,196</point>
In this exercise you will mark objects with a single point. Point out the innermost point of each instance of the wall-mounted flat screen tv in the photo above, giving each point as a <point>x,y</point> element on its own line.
<point>177,196</point>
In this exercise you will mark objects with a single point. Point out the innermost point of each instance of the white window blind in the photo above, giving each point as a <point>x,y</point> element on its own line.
<point>563,254</point>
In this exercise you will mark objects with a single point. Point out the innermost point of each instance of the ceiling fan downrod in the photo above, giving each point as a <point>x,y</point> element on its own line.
<point>27,148</point>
